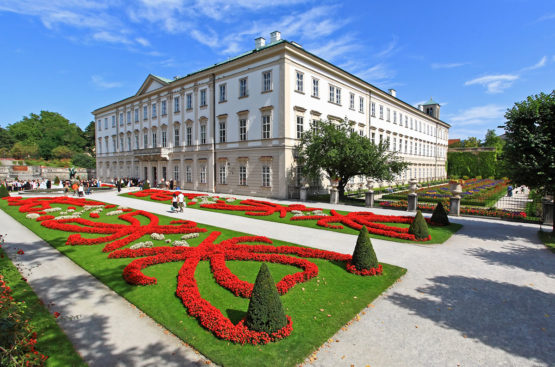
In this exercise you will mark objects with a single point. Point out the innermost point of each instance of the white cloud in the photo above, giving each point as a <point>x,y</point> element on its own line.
<point>478,115</point>
<point>335,48</point>
<point>109,37</point>
<point>99,81</point>
<point>379,73</point>
<point>539,64</point>
<point>447,65</point>
<point>546,17</point>
<point>494,83</point>
<point>390,49</point>
<point>142,41</point>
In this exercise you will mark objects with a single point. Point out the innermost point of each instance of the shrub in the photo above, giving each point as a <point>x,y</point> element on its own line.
<point>83,160</point>
<point>56,180</point>
<point>146,185</point>
<point>265,311</point>
<point>3,191</point>
<point>439,216</point>
<point>364,256</point>
<point>418,227</point>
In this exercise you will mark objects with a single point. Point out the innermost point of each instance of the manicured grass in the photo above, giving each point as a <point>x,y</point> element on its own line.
<point>318,307</point>
<point>548,239</point>
<point>439,234</point>
<point>51,340</point>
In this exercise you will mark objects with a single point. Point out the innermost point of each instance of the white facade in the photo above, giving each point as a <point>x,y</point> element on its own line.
<point>231,128</point>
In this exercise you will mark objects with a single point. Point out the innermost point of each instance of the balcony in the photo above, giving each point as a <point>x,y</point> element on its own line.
<point>152,154</point>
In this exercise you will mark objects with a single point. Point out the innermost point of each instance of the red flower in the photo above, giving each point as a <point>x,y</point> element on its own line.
<point>56,314</point>
<point>20,252</point>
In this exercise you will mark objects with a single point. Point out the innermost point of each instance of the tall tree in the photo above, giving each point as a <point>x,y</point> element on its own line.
<point>339,151</point>
<point>6,139</point>
<point>89,136</point>
<point>492,140</point>
<point>529,152</point>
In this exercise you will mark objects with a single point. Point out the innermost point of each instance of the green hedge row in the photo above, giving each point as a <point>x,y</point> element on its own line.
<point>471,164</point>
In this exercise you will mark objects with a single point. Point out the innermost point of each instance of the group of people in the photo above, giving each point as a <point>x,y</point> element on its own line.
<point>178,202</point>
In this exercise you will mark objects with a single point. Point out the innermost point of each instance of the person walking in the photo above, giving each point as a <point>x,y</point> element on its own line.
<point>181,201</point>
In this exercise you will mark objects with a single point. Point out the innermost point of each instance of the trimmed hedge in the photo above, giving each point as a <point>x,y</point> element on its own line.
<point>364,256</point>
<point>418,227</point>
<point>472,164</point>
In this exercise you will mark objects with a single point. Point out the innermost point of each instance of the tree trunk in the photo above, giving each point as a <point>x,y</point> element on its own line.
<point>341,189</point>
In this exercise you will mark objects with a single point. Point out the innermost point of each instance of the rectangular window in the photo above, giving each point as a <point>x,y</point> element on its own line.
<point>266,131</point>
<point>203,134</point>
<point>400,119</point>
<point>332,94</point>
<point>335,94</point>
<point>400,145</point>
<point>222,132</point>
<point>121,119</point>
<point>176,137</point>
<point>176,173</point>
<point>136,115</point>
<point>154,140</point>
<point>242,129</point>
<point>373,109</point>
<point>352,101</point>
<point>361,104</point>
<point>406,145</point>
<point>394,117</point>
<point>406,121</point>
<point>164,140</point>
<point>242,176</point>
<point>300,82</point>
<point>203,98</point>
<point>189,101</point>
<point>128,117</point>
<point>154,110</point>
<point>100,147</point>
<point>128,143</point>
<point>145,112</point>
<point>188,174</point>
<point>223,94</point>
<point>113,144</point>
<point>381,112</point>
<point>189,135</point>
<point>202,177</point>
<point>136,141</point>
<point>243,92</point>
<point>388,115</point>
<point>145,140</point>
<point>394,144</point>
<point>105,122</point>
<point>223,174</point>
<point>164,108</point>
<point>315,88</point>
<point>114,121</point>
<point>266,176</point>
<point>374,138</point>
<point>176,104</point>
<point>300,125</point>
<point>266,81</point>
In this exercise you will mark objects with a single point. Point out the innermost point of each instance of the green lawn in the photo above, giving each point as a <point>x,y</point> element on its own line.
<point>439,234</point>
<point>51,340</point>
<point>548,239</point>
<point>318,307</point>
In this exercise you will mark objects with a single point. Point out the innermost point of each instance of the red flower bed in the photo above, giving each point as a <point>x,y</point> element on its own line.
<point>353,220</point>
<point>94,215</point>
<point>36,205</point>
<point>246,248</point>
<point>373,271</point>
<point>162,195</point>
<point>44,217</point>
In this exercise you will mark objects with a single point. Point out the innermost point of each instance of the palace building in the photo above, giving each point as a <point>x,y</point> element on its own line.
<point>232,127</point>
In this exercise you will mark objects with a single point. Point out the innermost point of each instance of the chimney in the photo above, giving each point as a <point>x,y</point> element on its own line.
<point>393,92</point>
<point>259,42</point>
<point>275,36</point>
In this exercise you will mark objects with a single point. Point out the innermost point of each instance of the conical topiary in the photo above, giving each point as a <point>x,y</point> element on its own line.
<point>364,256</point>
<point>3,191</point>
<point>439,216</point>
<point>418,227</point>
<point>57,181</point>
<point>265,311</point>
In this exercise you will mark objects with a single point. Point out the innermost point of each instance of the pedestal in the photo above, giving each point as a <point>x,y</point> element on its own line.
<point>369,199</point>
<point>334,196</point>
<point>547,209</point>
<point>304,194</point>
<point>455,206</point>
<point>412,202</point>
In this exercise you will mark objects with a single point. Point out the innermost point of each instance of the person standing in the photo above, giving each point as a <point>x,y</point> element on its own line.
<point>174,202</point>
<point>181,201</point>
<point>118,185</point>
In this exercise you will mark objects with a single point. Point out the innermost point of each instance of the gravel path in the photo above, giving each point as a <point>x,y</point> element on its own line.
<point>484,298</point>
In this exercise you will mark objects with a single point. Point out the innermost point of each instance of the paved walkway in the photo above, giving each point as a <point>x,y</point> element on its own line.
<point>484,298</point>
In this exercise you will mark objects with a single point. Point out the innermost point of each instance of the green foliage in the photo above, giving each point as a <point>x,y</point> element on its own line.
<point>89,135</point>
<point>472,164</point>
<point>83,160</point>
<point>439,216</point>
<point>418,227</point>
<point>6,139</point>
<point>530,148</point>
<point>265,311</point>
<point>56,180</point>
<point>3,191</point>
<point>339,151</point>
<point>22,150</point>
<point>364,256</point>
<point>62,152</point>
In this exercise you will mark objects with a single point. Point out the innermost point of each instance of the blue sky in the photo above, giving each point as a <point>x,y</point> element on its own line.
<point>476,58</point>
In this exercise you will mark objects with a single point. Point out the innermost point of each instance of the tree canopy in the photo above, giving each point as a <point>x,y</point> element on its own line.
<point>529,152</point>
<point>339,151</point>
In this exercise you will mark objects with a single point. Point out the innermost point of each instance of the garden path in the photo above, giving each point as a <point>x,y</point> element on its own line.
<point>518,201</point>
<point>484,298</point>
